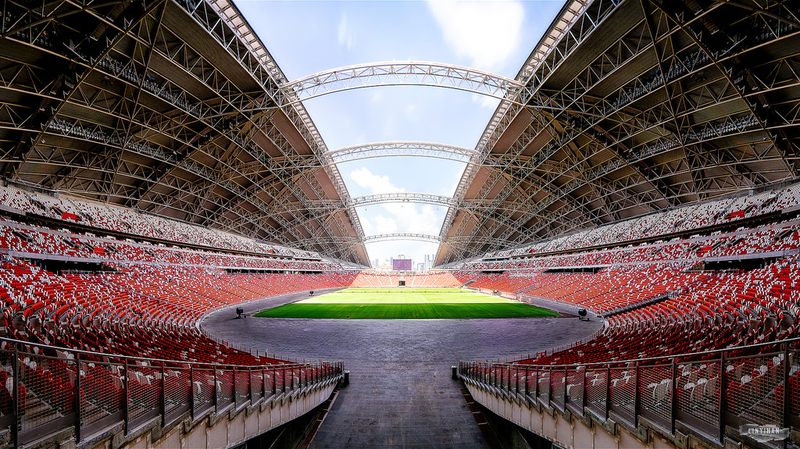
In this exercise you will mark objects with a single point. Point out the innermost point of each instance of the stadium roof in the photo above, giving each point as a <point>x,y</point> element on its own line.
<point>170,107</point>
<point>644,106</point>
<point>175,107</point>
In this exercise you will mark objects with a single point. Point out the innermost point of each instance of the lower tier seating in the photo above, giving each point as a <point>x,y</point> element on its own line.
<point>133,310</point>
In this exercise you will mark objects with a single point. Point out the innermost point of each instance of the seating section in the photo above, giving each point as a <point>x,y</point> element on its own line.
<point>123,220</point>
<point>666,297</point>
<point>434,279</point>
<point>711,213</point>
<point>24,240</point>
<point>771,239</point>
<point>143,310</point>
<point>109,296</point>
<point>497,281</point>
<point>737,291</point>
<point>118,219</point>
<point>720,310</point>
<point>442,279</point>
<point>86,291</point>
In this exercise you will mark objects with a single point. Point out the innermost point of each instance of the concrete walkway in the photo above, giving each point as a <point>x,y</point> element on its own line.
<point>400,394</point>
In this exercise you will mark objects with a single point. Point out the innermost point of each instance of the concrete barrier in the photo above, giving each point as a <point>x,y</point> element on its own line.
<point>221,430</point>
<point>568,430</point>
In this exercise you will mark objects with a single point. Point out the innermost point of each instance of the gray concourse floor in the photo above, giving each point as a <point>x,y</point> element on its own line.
<point>400,393</point>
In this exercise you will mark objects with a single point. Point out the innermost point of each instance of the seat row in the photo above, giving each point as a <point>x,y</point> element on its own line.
<point>104,216</point>
<point>681,219</point>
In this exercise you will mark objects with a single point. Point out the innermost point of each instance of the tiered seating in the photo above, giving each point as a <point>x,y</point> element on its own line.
<point>115,218</point>
<point>720,310</point>
<point>366,279</point>
<point>105,216</point>
<point>25,239</point>
<point>667,304</point>
<point>127,299</point>
<point>683,219</point>
<point>661,298</point>
<point>435,279</point>
<point>503,282</point>
<point>773,238</point>
<point>144,310</point>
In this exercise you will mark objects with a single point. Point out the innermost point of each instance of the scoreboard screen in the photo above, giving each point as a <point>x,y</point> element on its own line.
<point>401,264</point>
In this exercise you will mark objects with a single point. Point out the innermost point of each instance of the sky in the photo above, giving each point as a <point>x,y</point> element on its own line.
<point>306,37</point>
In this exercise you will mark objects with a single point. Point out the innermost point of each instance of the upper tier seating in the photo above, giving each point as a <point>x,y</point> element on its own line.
<point>428,279</point>
<point>118,219</point>
<point>687,218</point>
<point>775,238</point>
<point>22,239</point>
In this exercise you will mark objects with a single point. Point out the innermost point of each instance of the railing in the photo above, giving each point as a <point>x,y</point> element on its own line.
<point>710,394</point>
<point>46,390</point>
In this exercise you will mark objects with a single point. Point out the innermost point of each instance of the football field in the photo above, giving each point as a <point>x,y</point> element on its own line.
<point>405,303</point>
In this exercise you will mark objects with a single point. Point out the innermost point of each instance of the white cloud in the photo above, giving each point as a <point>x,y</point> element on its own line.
<point>375,184</point>
<point>485,101</point>
<point>411,114</point>
<point>485,32</point>
<point>376,96</point>
<point>385,225</point>
<point>394,217</point>
<point>344,35</point>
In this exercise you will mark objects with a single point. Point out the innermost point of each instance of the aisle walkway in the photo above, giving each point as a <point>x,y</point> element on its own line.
<point>400,393</point>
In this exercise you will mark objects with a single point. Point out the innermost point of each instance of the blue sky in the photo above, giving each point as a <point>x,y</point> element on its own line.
<point>306,37</point>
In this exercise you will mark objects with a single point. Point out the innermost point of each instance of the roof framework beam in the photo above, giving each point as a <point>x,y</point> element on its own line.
<point>200,161</point>
<point>409,236</point>
<point>575,124</point>
<point>401,236</point>
<point>572,26</point>
<point>410,73</point>
<point>223,22</point>
<point>114,141</point>
<point>401,197</point>
<point>652,143</point>
<point>391,149</point>
<point>742,78</point>
<point>66,82</point>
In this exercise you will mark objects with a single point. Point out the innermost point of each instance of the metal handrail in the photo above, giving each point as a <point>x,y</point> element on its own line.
<point>156,360</point>
<point>131,395</point>
<point>649,359</point>
<point>662,394</point>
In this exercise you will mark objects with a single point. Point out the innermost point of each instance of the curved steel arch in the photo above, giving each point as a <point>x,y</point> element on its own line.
<point>431,238</point>
<point>402,236</point>
<point>388,149</point>
<point>402,197</point>
<point>419,237</point>
<point>409,73</point>
<point>371,200</point>
<point>426,198</point>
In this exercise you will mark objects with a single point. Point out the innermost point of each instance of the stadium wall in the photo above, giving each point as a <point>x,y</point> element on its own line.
<point>230,428</point>
<point>567,430</point>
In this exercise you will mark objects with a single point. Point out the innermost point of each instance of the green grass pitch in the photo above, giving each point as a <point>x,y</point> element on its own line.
<point>405,303</point>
